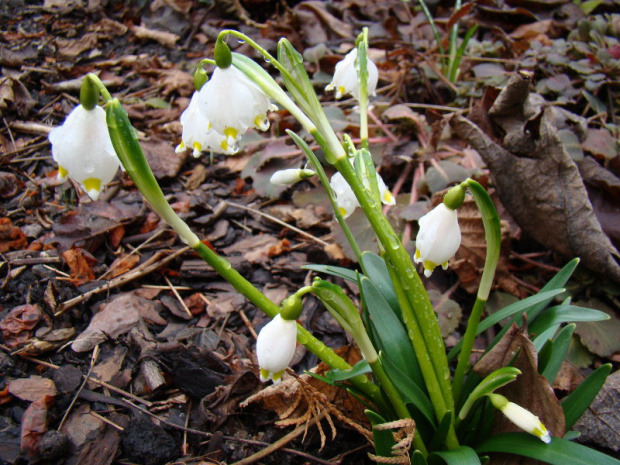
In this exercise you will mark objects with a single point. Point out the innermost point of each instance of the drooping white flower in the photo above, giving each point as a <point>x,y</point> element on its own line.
<point>275,348</point>
<point>232,103</point>
<point>198,134</point>
<point>290,176</point>
<point>83,150</point>
<point>345,76</point>
<point>521,417</point>
<point>439,237</point>
<point>345,198</point>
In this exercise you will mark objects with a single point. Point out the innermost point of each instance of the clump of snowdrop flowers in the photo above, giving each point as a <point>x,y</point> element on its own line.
<point>83,150</point>
<point>198,134</point>
<point>290,176</point>
<point>345,78</point>
<point>439,236</point>
<point>521,417</point>
<point>346,200</point>
<point>276,342</point>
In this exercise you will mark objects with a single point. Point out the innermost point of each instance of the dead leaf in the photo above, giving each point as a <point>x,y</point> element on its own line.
<point>11,237</point>
<point>32,388</point>
<point>600,424</point>
<point>18,325</point>
<point>162,158</point>
<point>71,48</point>
<point>448,311</point>
<point>600,142</point>
<point>167,39</point>
<point>34,425</point>
<point>531,390</point>
<point>79,262</point>
<point>116,318</point>
<point>600,337</point>
<point>255,249</point>
<point>318,25</point>
<point>122,265</point>
<point>538,183</point>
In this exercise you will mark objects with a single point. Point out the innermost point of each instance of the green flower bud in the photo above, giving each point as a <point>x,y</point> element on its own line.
<point>222,53</point>
<point>455,197</point>
<point>291,307</point>
<point>89,93</point>
<point>200,78</point>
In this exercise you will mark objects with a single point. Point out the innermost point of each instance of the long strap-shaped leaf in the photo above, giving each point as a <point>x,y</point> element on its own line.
<point>558,452</point>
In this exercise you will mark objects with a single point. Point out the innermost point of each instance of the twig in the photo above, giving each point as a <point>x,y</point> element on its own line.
<point>155,262</point>
<point>280,222</point>
<point>93,360</point>
<point>178,296</point>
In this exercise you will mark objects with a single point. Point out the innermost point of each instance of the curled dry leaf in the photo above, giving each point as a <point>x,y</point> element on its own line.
<point>11,237</point>
<point>18,325</point>
<point>79,261</point>
<point>34,425</point>
<point>538,182</point>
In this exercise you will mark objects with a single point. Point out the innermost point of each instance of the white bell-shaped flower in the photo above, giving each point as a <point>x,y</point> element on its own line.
<point>290,176</point>
<point>345,198</point>
<point>232,103</point>
<point>439,237</point>
<point>198,134</point>
<point>521,417</point>
<point>345,76</point>
<point>275,348</point>
<point>83,150</point>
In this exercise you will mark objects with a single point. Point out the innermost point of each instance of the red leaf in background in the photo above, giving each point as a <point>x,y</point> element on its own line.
<point>34,425</point>
<point>17,326</point>
<point>11,237</point>
<point>79,264</point>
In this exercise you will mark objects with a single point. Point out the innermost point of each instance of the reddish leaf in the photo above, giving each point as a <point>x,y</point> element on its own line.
<point>79,264</point>
<point>17,326</point>
<point>11,237</point>
<point>34,425</point>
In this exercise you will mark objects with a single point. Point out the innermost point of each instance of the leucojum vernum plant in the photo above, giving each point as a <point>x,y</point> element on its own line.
<point>406,377</point>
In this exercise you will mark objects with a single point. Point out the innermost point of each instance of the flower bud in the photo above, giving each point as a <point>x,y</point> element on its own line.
<point>521,417</point>
<point>290,176</point>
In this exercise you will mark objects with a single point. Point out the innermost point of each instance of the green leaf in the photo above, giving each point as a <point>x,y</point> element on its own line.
<point>462,455</point>
<point>418,458</point>
<point>377,272</point>
<point>488,385</point>
<point>410,391</point>
<point>390,331</point>
<point>564,314</point>
<point>384,439</point>
<point>360,368</point>
<point>580,399</point>
<point>518,308</point>
<point>338,271</point>
<point>442,432</point>
<point>558,354</point>
<point>558,452</point>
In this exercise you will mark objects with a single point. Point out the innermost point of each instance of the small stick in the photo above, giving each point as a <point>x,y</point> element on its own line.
<point>178,296</point>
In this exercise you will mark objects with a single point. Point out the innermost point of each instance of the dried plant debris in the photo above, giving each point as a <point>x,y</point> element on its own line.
<point>537,181</point>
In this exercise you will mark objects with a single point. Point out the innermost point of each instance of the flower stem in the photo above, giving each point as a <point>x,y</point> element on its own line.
<point>362,76</point>
<point>492,233</point>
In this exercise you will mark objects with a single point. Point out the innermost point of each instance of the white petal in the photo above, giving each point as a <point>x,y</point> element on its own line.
<point>275,345</point>
<point>345,76</point>
<point>439,237</point>
<point>82,146</point>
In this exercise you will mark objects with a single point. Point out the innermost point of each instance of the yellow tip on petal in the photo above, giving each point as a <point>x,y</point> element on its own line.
<point>388,198</point>
<point>63,174</point>
<point>261,122</point>
<point>180,148</point>
<point>343,211</point>
<point>231,133</point>
<point>93,187</point>
<point>197,149</point>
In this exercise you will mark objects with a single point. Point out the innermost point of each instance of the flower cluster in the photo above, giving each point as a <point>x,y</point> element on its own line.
<point>83,150</point>
<point>222,111</point>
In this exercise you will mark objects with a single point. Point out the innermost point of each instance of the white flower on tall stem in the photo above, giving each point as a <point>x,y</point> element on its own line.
<point>439,237</point>
<point>83,150</point>
<point>345,78</point>
<point>232,103</point>
<point>275,348</point>
<point>198,134</point>
<point>345,198</point>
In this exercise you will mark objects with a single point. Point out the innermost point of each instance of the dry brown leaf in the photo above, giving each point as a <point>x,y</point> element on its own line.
<point>18,325</point>
<point>167,39</point>
<point>11,237</point>
<point>32,388</point>
<point>71,48</point>
<point>79,261</point>
<point>34,425</point>
<point>531,390</point>
<point>122,265</point>
<point>539,183</point>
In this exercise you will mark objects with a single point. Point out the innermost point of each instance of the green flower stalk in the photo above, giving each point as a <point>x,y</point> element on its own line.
<point>492,231</point>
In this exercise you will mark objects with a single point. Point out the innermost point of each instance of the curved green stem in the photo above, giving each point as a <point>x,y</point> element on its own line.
<point>318,168</point>
<point>493,236</point>
<point>100,86</point>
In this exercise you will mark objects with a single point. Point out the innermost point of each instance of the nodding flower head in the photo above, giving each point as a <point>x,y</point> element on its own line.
<point>83,150</point>
<point>232,103</point>
<point>521,417</point>
<point>346,200</point>
<point>290,176</point>
<point>439,237</point>
<point>346,80</point>
<point>275,348</point>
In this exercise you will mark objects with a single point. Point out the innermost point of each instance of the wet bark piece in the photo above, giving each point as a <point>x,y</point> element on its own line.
<point>542,188</point>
